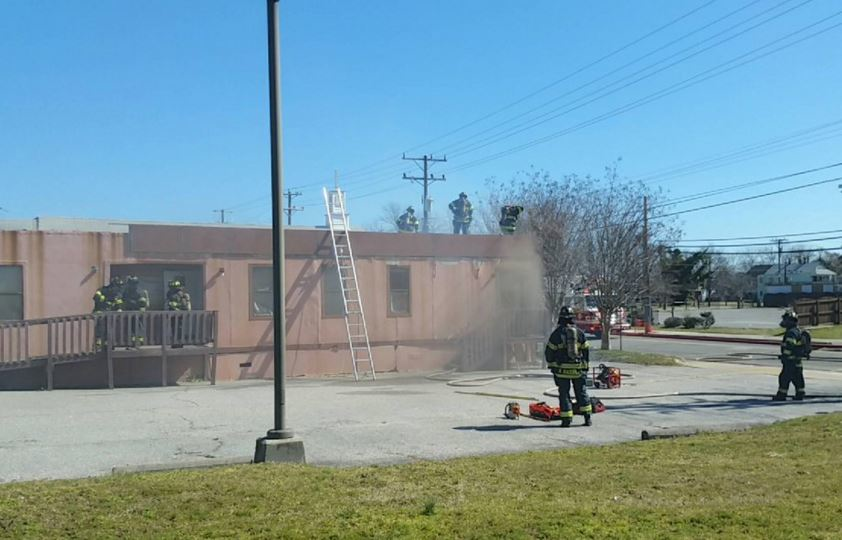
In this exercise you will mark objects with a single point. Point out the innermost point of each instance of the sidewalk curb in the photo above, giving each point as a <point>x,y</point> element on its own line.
<point>181,465</point>
<point>817,345</point>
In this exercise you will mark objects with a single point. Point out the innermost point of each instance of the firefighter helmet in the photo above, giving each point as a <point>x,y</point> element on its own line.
<point>565,315</point>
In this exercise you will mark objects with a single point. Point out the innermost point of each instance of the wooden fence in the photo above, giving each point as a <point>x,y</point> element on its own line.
<point>814,312</point>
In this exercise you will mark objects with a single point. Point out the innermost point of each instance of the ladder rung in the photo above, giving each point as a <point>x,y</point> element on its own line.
<point>354,312</point>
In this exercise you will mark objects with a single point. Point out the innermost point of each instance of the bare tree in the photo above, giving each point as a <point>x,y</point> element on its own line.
<point>388,219</point>
<point>614,247</point>
<point>553,215</point>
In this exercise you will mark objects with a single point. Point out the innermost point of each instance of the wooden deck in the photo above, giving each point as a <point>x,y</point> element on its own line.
<point>45,343</point>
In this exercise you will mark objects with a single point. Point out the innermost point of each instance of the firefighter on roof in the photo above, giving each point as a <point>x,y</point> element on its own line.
<point>407,222</point>
<point>463,213</point>
<point>509,215</point>
<point>567,357</point>
<point>795,348</point>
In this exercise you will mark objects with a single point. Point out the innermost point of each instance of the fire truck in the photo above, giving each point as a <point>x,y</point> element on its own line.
<point>587,316</point>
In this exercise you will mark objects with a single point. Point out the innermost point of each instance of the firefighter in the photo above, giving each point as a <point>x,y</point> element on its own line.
<point>509,215</point>
<point>177,300</point>
<point>407,222</point>
<point>463,213</point>
<point>106,298</point>
<point>135,299</point>
<point>795,348</point>
<point>567,357</point>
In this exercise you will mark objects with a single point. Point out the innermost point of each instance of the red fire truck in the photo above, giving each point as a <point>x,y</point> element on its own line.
<point>588,319</point>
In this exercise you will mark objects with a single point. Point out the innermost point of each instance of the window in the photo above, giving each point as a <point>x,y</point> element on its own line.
<point>11,293</point>
<point>261,291</point>
<point>399,290</point>
<point>332,303</point>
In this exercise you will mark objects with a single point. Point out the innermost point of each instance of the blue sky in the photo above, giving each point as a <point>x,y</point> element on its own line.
<point>157,110</point>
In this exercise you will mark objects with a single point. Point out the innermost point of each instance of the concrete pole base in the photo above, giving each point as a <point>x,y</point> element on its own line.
<point>279,450</point>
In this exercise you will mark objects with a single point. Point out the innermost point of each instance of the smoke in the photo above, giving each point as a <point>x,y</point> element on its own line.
<point>509,316</point>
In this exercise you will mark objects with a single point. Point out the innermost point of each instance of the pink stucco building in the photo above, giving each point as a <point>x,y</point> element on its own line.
<point>425,295</point>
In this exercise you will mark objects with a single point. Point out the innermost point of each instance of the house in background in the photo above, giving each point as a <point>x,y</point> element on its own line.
<point>431,300</point>
<point>798,278</point>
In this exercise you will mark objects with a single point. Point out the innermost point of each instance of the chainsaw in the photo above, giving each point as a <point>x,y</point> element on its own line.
<point>544,412</point>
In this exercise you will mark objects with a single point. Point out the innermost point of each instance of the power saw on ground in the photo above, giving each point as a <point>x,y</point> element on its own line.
<point>542,411</point>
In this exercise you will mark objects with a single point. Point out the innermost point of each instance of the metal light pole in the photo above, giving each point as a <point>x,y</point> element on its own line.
<point>278,444</point>
<point>280,430</point>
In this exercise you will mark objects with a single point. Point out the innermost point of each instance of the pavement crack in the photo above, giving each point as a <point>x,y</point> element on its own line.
<point>190,423</point>
<point>185,400</point>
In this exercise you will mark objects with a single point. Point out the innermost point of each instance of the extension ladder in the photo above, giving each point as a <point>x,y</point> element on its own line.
<point>337,219</point>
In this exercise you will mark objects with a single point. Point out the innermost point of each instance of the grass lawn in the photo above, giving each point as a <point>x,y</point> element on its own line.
<point>818,332</point>
<point>827,332</point>
<point>645,359</point>
<point>727,330</point>
<point>782,481</point>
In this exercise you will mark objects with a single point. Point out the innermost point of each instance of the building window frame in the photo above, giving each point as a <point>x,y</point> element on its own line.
<point>390,290</point>
<point>252,315</point>
<point>326,268</point>
<point>21,295</point>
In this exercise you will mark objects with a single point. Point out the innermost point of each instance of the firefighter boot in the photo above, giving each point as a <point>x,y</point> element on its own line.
<point>799,395</point>
<point>565,422</point>
<point>780,396</point>
<point>588,422</point>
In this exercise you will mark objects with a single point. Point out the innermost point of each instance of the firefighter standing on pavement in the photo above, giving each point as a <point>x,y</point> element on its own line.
<point>509,215</point>
<point>567,357</point>
<point>463,213</point>
<point>795,348</point>
<point>407,222</point>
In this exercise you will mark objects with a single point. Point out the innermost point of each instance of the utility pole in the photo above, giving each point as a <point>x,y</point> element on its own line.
<point>290,208</point>
<point>221,213</point>
<point>647,323</point>
<point>425,181</point>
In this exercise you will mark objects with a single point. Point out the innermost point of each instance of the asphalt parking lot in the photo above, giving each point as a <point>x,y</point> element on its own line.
<point>398,418</point>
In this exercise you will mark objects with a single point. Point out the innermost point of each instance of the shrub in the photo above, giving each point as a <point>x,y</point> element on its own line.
<point>673,322</point>
<point>693,322</point>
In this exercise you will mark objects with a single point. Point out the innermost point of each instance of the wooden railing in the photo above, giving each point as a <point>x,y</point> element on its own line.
<point>72,338</point>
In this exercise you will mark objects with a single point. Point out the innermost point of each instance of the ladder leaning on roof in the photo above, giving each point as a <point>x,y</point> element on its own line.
<point>337,219</point>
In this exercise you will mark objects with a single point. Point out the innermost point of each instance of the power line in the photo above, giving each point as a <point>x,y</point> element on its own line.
<point>812,250</point>
<point>543,88</point>
<point>682,85</point>
<point>676,171</point>
<point>751,198</point>
<point>720,191</point>
<point>537,120</point>
<point>779,242</point>
<point>770,236</point>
